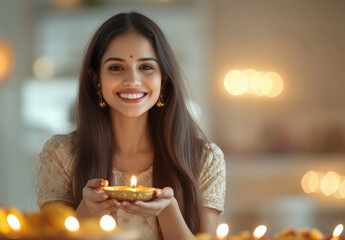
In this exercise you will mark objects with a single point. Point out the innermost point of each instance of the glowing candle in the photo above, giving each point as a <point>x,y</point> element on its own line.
<point>107,223</point>
<point>222,230</point>
<point>259,231</point>
<point>131,193</point>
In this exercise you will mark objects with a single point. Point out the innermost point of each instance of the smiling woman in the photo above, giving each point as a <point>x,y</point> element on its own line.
<point>133,120</point>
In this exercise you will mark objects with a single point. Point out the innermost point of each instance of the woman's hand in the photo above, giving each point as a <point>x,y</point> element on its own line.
<point>95,201</point>
<point>165,197</point>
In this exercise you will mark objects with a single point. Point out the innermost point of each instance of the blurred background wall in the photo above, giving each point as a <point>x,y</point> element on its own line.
<point>270,143</point>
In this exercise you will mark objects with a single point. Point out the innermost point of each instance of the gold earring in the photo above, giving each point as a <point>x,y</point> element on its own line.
<point>160,102</point>
<point>101,102</point>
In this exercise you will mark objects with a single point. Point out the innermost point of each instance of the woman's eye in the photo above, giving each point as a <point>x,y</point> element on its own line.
<point>115,68</point>
<point>146,67</point>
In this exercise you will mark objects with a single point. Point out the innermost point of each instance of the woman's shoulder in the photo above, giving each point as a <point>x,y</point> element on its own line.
<point>61,142</point>
<point>60,147</point>
<point>212,148</point>
<point>212,151</point>
<point>213,156</point>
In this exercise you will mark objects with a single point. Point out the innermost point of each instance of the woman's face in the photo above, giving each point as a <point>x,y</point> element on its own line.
<point>130,76</point>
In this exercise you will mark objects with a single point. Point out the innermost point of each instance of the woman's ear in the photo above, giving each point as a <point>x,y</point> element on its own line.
<point>94,78</point>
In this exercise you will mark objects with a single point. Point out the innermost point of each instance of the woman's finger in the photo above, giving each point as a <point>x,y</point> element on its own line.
<point>97,183</point>
<point>136,210</point>
<point>166,192</point>
<point>95,195</point>
<point>102,208</point>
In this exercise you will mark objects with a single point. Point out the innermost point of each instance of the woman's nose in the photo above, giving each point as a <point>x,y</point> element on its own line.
<point>132,79</point>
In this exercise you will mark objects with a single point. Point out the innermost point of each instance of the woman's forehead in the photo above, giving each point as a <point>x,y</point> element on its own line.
<point>130,45</point>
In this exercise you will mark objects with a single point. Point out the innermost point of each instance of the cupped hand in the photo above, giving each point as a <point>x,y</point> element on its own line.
<point>96,201</point>
<point>165,197</point>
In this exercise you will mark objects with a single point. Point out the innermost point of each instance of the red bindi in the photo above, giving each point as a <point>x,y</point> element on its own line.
<point>131,56</point>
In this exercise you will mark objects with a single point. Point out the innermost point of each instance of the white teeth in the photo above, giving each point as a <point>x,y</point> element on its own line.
<point>131,96</point>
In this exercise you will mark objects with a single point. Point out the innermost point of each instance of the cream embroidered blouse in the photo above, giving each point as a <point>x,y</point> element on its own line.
<point>54,181</point>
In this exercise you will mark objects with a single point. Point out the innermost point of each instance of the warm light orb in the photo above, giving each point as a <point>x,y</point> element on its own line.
<point>255,83</point>
<point>253,86</point>
<point>236,82</point>
<point>330,183</point>
<point>222,230</point>
<point>107,223</point>
<point>277,84</point>
<point>43,67</point>
<point>266,84</point>
<point>342,189</point>
<point>13,221</point>
<point>310,182</point>
<point>338,230</point>
<point>72,224</point>
<point>6,59</point>
<point>260,231</point>
<point>133,181</point>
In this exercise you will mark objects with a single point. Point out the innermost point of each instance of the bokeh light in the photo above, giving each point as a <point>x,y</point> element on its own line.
<point>338,230</point>
<point>222,230</point>
<point>236,82</point>
<point>72,224</point>
<point>43,67</point>
<point>260,83</point>
<point>310,182</point>
<point>259,231</point>
<point>330,183</point>
<point>13,222</point>
<point>342,189</point>
<point>266,84</point>
<point>6,59</point>
<point>107,223</point>
<point>277,84</point>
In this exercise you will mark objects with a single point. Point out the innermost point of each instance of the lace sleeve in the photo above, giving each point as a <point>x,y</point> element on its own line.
<point>213,178</point>
<point>54,171</point>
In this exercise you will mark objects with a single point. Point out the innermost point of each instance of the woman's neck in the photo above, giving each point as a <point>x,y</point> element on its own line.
<point>131,134</point>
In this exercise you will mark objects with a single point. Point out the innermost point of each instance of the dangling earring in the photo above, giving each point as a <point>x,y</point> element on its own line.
<point>160,102</point>
<point>101,102</point>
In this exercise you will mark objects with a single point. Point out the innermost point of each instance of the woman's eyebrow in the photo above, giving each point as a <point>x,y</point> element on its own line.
<point>147,59</point>
<point>114,59</point>
<point>123,60</point>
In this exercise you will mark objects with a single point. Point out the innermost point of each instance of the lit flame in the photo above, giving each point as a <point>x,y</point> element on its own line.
<point>13,221</point>
<point>222,230</point>
<point>338,230</point>
<point>260,231</point>
<point>107,223</point>
<point>72,224</point>
<point>133,182</point>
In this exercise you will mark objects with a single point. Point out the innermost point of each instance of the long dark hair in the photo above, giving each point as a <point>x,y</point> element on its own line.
<point>177,140</point>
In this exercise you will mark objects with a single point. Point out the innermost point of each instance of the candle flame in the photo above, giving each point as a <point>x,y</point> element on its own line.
<point>13,221</point>
<point>222,230</point>
<point>107,223</point>
<point>260,231</point>
<point>134,182</point>
<point>338,230</point>
<point>72,224</point>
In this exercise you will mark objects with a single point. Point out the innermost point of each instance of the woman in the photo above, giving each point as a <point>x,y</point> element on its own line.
<point>132,120</point>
